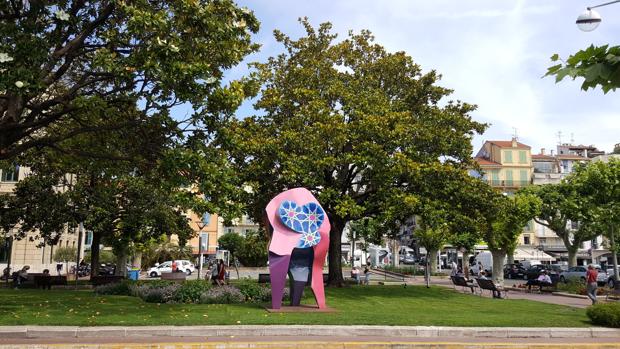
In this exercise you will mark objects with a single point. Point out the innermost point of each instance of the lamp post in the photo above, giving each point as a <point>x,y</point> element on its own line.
<point>590,19</point>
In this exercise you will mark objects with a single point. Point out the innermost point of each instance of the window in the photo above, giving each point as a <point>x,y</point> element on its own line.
<point>522,157</point>
<point>88,238</point>
<point>10,175</point>
<point>508,156</point>
<point>523,176</point>
<point>526,239</point>
<point>5,249</point>
<point>206,218</point>
<point>508,177</point>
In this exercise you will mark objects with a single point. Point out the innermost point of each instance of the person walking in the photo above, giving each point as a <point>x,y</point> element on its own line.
<point>366,276</point>
<point>213,271</point>
<point>454,268</point>
<point>221,273</point>
<point>591,283</point>
<point>355,274</point>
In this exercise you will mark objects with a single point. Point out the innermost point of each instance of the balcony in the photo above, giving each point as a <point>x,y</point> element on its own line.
<point>507,183</point>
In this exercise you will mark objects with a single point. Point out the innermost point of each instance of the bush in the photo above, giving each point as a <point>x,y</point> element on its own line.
<point>190,291</point>
<point>572,286</point>
<point>123,288</point>
<point>605,314</point>
<point>163,294</point>
<point>222,295</point>
<point>253,291</point>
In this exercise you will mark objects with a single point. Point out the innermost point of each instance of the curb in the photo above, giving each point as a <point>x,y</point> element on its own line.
<point>48,332</point>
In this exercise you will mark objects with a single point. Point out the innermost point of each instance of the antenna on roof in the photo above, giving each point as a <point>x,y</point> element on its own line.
<point>559,134</point>
<point>514,135</point>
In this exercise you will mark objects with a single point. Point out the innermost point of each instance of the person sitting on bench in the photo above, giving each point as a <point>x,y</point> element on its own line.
<point>496,293</point>
<point>542,280</point>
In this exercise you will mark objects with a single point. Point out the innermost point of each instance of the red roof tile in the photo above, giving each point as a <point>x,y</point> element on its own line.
<point>483,161</point>
<point>508,144</point>
<point>542,157</point>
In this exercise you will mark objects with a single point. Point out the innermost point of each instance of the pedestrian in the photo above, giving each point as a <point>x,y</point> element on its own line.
<point>591,283</point>
<point>221,273</point>
<point>455,268</point>
<point>58,268</point>
<point>174,266</point>
<point>46,280</point>
<point>20,276</point>
<point>480,269</point>
<point>213,272</point>
<point>366,276</point>
<point>355,274</point>
<point>368,261</point>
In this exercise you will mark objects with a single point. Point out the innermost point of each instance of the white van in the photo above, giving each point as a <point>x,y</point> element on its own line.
<point>486,259</point>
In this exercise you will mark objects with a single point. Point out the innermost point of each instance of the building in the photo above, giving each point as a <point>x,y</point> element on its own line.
<point>31,250</point>
<point>505,164</point>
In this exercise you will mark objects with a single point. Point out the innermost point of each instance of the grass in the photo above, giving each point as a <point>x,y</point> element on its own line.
<point>374,305</point>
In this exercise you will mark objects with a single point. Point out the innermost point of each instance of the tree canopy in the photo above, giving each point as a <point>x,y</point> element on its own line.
<point>61,58</point>
<point>353,123</point>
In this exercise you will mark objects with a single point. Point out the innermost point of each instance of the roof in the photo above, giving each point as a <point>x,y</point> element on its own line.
<point>483,162</point>
<point>508,144</point>
<point>572,157</point>
<point>543,157</point>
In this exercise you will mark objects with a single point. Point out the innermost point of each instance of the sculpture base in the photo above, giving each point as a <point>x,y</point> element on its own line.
<point>300,309</point>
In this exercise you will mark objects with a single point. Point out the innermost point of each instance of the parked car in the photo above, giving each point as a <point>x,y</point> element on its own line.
<point>166,267</point>
<point>107,269</point>
<point>406,259</point>
<point>513,271</point>
<point>578,273</point>
<point>534,271</point>
<point>611,278</point>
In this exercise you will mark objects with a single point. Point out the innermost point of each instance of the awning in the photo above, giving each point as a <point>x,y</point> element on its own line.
<point>524,253</point>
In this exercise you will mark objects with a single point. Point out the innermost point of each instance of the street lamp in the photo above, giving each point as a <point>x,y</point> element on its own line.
<point>590,19</point>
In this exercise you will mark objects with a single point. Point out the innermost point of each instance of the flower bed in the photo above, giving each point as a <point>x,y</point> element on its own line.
<point>193,291</point>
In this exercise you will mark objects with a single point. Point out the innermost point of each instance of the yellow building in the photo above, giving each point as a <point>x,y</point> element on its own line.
<point>208,227</point>
<point>506,164</point>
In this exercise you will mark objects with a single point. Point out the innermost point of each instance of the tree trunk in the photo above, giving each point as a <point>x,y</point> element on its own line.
<point>121,262</point>
<point>335,277</point>
<point>465,265</point>
<point>498,266</point>
<point>94,253</point>
<point>137,260</point>
<point>510,257</point>
<point>614,254</point>
<point>395,248</point>
<point>432,259</point>
<point>572,255</point>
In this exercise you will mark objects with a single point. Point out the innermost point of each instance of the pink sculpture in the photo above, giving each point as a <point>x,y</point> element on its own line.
<point>298,246</point>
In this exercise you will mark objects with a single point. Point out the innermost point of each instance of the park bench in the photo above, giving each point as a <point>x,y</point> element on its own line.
<point>550,287</point>
<point>266,278</point>
<point>47,281</point>
<point>174,276</point>
<point>486,284</point>
<point>461,281</point>
<point>105,279</point>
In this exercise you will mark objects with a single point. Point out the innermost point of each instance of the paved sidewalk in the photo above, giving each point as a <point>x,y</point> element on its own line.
<point>545,297</point>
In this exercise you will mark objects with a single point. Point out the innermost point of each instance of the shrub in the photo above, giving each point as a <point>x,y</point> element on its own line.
<point>222,295</point>
<point>605,314</point>
<point>190,291</point>
<point>123,288</point>
<point>253,291</point>
<point>162,294</point>
<point>572,286</point>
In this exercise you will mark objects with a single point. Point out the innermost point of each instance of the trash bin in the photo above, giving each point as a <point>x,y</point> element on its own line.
<point>133,274</point>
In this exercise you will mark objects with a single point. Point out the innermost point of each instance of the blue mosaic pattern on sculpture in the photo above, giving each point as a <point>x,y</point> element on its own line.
<point>306,219</point>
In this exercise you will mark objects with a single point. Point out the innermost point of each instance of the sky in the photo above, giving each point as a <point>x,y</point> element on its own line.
<point>491,53</point>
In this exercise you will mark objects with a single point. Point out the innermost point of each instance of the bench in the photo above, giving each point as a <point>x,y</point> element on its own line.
<point>553,287</point>
<point>174,276</point>
<point>486,284</point>
<point>105,279</point>
<point>266,278</point>
<point>47,281</point>
<point>461,281</point>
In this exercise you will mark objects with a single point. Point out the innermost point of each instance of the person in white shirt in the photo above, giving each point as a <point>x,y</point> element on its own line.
<point>542,280</point>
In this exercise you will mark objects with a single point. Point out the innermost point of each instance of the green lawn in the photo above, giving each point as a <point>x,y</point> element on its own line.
<point>374,305</point>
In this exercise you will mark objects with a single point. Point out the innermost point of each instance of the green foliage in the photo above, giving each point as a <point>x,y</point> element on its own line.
<point>65,254</point>
<point>105,257</point>
<point>62,58</point>
<point>191,291</point>
<point>572,286</point>
<point>226,294</point>
<point>123,288</point>
<point>598,65</point>
<point>415,270</point>
<point>250,250</point>
<point>605,314</point>
<point>253,291</point>
<point>355,124</point>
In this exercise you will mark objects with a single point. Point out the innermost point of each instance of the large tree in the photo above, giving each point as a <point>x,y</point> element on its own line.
<point>59,59</point>
<point>560,206</point>
<point>351,122</point>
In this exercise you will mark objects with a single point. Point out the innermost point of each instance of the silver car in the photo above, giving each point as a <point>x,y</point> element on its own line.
<point>579,274</point>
